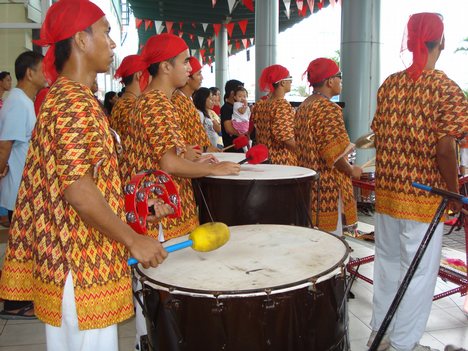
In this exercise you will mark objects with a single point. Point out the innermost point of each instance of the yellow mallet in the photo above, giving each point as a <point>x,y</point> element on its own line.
<point>204,238</point>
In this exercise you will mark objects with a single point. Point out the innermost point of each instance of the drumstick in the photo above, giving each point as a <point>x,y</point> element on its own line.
<point>368,163</point>
<point>206,237</point>
<point>238,143</point>
<point>257,154</point>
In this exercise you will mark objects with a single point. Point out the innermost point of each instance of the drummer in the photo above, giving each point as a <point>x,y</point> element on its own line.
<point>158,138</point>
<point>68,245</point>
<point>191,127</point>
<point>323,145</point>
<point>130,73</point>
<point>274,117</point>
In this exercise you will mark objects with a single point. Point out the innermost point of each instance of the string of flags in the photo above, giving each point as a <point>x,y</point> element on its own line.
<point>207,51</point>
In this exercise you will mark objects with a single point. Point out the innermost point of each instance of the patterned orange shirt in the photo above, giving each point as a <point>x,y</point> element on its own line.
<point>321,139</point>
<point>410,119</point>
<point>156,129</point>
<point>274,124</point>
<point>189,120</point>
<point>119,121</point>
<point>47,237</point>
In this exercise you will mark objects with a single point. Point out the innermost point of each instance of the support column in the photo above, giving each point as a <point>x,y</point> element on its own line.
<point>221,59</point>
<point>266,37</point>
<point>360,64</point>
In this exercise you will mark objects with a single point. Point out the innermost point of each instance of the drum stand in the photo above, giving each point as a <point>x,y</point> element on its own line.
<point>416,260</point>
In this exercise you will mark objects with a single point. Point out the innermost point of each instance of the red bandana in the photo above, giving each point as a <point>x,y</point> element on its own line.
<point>271,75</point>
<point>64,19</point>
<point>321,69</point>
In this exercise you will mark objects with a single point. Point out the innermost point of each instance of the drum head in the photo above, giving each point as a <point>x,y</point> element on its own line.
<point>256,258</point>
<point>269,172</point>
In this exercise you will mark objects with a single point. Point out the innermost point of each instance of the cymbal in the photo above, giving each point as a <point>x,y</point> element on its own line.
<point>365,142</point>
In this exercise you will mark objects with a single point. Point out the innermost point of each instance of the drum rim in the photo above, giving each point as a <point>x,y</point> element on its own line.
<point>266,181</point>
<point>267,291</point>
<point>315,175</point>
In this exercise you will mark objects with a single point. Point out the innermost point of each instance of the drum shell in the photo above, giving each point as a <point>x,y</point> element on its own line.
<point>239,202</point>
<point>295,320</point>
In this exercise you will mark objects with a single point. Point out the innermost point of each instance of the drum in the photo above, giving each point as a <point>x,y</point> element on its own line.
<point>270,287</point>
<point>263,193</point>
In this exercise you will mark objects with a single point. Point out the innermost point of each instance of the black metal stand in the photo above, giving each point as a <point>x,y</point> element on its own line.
<point>409,274</point>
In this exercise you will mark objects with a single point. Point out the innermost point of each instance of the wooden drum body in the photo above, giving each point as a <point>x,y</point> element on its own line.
<point>264,193</point>
<point>271,287</point>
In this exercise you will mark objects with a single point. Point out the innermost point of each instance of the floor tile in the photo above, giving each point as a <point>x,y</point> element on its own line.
<point>454,336</point>
<point>22,334</point>
<point>357,329</point>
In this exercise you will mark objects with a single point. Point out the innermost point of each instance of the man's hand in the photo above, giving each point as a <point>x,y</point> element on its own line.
<point>147,250</point>
<point>5,171</point>
<point>455,206</point>
<point>225,168</point>
<point>161,210</point>
<point>356,172</point>
<point>193,152</point>
<point>208,158</point>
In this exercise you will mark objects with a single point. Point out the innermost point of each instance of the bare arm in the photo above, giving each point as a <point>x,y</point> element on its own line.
<point>216,126</point>
<point>84,196</point>
<point>345,167</point>
<point>290,144</point>
<point>5,150</point>
<point>229,128</point>
<point>180,167</point>
<point>446,155</point>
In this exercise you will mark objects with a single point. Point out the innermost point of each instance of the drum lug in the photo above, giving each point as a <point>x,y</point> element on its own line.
<point>173,304</point>
<point>313,289</point>
<point>218,307</point>
<point>268,303</point>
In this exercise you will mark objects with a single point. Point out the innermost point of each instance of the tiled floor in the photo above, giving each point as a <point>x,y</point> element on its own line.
<point>448,324</point>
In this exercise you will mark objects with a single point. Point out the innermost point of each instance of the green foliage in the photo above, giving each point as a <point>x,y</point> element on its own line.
<point>301,90</point>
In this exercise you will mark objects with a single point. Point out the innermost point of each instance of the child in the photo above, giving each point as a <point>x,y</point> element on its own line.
<point>241,111</point>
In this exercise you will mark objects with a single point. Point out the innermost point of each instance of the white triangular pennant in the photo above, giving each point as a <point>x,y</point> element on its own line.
<point>200,41</point>
<point>287,4</point>
<point>231,5</point>
<point>158,26</point>
<point>229,49</point>
<point>204,25</point>
<point>300,4</point>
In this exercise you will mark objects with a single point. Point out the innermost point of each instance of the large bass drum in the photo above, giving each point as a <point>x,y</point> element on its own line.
<point>263,193</point>
<point>271,287</point>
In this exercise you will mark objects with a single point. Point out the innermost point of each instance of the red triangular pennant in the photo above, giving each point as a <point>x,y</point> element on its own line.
<point>191,36</point>
<point>209,41</point>
<point>211,50</point>
<point>216,28</point>
<point>181,25</point>
<point>169,26</point>
<point>202,52</point>
<point>138,22</point>
<point>248,4</point>
<point>300,5</point>
<point>181,34</point>
<point>238,44</point>
<point>320,5</point>
<point>230,28</point>
<point>245,42</point>
<point>213,2</point>
<point>148,24</point>
<point>243,25</point>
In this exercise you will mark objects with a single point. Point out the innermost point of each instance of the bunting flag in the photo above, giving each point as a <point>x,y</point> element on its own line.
<point>300,5</point>
<point>180,25</point>
<point>311,5</point>
<point>138,22</point>
<point>303,11</point>
<point>216,28</point>
<point>209,41</point>
<point>148,24</point>
<point>238,44</point>
<point>243,25</point>
<point>202,52</point>
<point>191,36</point>
<point>194,25</point>
<point>200,41</point>
<point>210,61</point>
<point>231,4</point>
<point>204,25</point>
<point>213,2</point>
<point>287,4</point>
<point>211,50</point>
<point>158,26</point>
<point>320,4</point>
<point>141,45</point>
<point>248,4</point>
<point>245,42</point>
<point>181,34</point>
<point>169,26</point>
<point>229,49</point>
<point>230,27</point>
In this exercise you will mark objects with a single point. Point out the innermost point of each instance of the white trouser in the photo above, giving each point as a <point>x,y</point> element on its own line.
<point>339,226</point>
<point>69,338</point>
<point>396,242</point>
